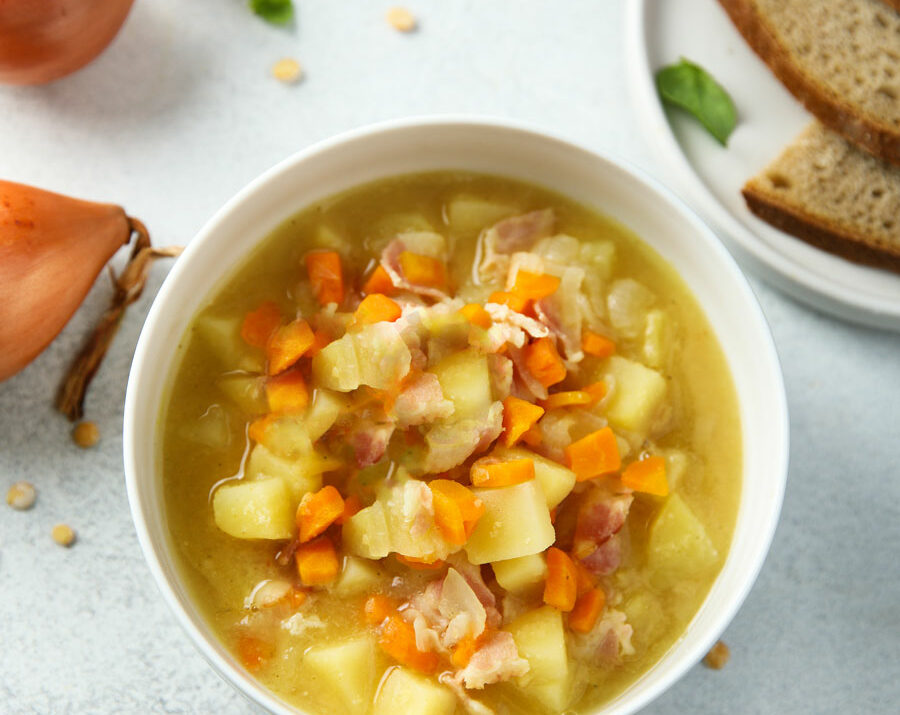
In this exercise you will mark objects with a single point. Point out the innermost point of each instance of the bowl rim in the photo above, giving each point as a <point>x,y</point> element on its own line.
<point>249,686</point>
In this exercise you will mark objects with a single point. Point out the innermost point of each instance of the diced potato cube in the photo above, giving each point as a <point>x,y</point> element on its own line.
<point>401,222</point>
<point>302,474</point>
<point>555,696</point>
<point>286,436</point>
<point>326,407</point>
<point>403,691</point>
<point>211,429</point>
<point>646,615</point>
<point>638,392</point>
<point>656,338</point>
<point>541,640</point>
<point>375,356</point>
<point>470,214</point>
<point>679,547</point>
<point>223,338</point>
<point>336,366</point>
<point>466,381</point>
<point>516,522</point>
<point>255,510</point>
<point>677,463</point>
<point>358,576</point>
<point>555,479</point>
<point>448,333</point>
<point>246,391</point>
<point>366,533</point>
<point>347,670</point>
<point>522,574</point>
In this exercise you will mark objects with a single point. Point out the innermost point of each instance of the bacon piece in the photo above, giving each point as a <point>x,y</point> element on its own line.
<point>495,661</point>
<point>597,543</point>
<point>608,640</point>
<point>369,441</point>
<point>517,233</point>
<point>421,401</point>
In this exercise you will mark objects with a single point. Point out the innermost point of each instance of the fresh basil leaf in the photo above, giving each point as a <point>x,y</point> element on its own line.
<point>692,88</point>
<point>278,12</point>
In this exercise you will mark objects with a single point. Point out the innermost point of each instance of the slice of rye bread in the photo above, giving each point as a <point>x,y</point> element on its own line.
<point>841,58</point>
<point>827,192</point>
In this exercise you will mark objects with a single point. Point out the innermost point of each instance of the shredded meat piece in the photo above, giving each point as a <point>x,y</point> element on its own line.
<point>369,441</point>
<point>495,661</point>
<point>421,401</point>
<point>528,384</point>
<point>608,640</point>
<point>451,443</point>
<point>418,509</point>
<point>470,704</point>
<point>504,314</point>
<point>601,516</point>
<point>517,233</point>
<point>472,574</point>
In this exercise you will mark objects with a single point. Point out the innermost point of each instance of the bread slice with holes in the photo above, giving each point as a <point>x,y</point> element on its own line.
<point>827,192</point>
<point>841,58</point>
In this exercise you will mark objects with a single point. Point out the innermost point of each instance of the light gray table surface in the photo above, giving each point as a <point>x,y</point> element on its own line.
<point>178,115</point>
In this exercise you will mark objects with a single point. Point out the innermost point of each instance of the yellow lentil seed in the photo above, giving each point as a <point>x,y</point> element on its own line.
<point>287,70</point>
<point>63,534</point>
<point>401,19</point>
<point>717,657</point>
<point>21,496</point>
<point>86,434</point>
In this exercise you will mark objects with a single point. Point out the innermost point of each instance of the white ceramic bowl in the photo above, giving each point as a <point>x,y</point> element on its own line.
<point>423,144</point>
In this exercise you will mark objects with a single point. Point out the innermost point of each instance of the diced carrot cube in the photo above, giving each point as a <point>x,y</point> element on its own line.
<point>320,340</point>
<point>258,428</point>
<point>378,607</point>
<point>317,511</point>
<point>254,652</point>
<point>423,564</point>
<point>259,324</point>
<point>534,286</point>
<point>510,300</point>
<point>398,640</point>
<point>587,610</point>
<point>561,586</point>
<point>287,345</point>
<point>648,476</point>
<point>597,345</point>
<point>501,474</point>
<point>519,416</point>
<point>423,270</point>
<point>287,392</point>
<point>543,361</point>
<point>533,437</point>
<point>594,455</point>
<point>570,398</point>
<point>376,308</point>
<point>352,506</point>
<point>448,518</point>
<point>585,580</point>
<point>471,508</point>
<point>597,390</point>
<point>379,281</point>
<point>317,562</point>
<point>476,315</point>
<point>326,277</point>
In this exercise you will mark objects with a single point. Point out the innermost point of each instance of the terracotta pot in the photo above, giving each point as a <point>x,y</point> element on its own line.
<point>43,40</point>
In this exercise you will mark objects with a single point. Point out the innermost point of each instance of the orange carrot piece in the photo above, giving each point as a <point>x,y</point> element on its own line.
<point>596,454</point>
<point>287,392</point>
<point>317,562</point>
<point>463,652</point>
<point>587,610</point>
<point>258,428</point>
<point>597,390</point>
<point>476,315</point>
<point>561,586</point>
<point>584,579</point>
<point>597,345</point>
<point>325,276</point>
<point>317,511</point>
<point>423,270</point>
<point>569,398</point>
<point>398,640</point>
<point>519,416</point>
<point>533,437</point>
<point>471,508</point>
<point>448,518</point>
<point>420,564</point>
<point>287,345</point>
<point>352,506</point>
<point>543,361</point>
<point>510,300</point>
<point>378,607</point>
<point>296,598</point>
<point>501,474</point>
<point>647,475</point>
<point>259,324</point>
<point>375,308</point>
<point>379,281</point>
<point>534,286</point>
<point>320,340</point>
<point>254,652</point>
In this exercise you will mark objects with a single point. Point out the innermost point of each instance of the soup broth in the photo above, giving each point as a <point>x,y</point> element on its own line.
<point>450,443</point>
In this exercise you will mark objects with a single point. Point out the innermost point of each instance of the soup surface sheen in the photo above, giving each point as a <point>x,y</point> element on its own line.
<point>505,483</point>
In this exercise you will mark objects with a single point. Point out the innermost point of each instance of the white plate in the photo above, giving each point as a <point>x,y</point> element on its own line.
<point>710,177</point>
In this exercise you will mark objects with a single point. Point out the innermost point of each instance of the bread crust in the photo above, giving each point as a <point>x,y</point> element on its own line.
<point>878,139</point>
<point>819,233</point>
<point>893,3</point>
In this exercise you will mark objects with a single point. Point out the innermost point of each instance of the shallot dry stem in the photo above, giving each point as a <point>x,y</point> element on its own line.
<point>128,287</point>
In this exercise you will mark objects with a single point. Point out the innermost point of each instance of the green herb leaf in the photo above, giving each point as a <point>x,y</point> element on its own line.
<point>278,12</point>
<point>692,88</point>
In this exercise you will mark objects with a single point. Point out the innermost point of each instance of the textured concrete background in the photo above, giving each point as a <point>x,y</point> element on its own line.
<point>178,115</point>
